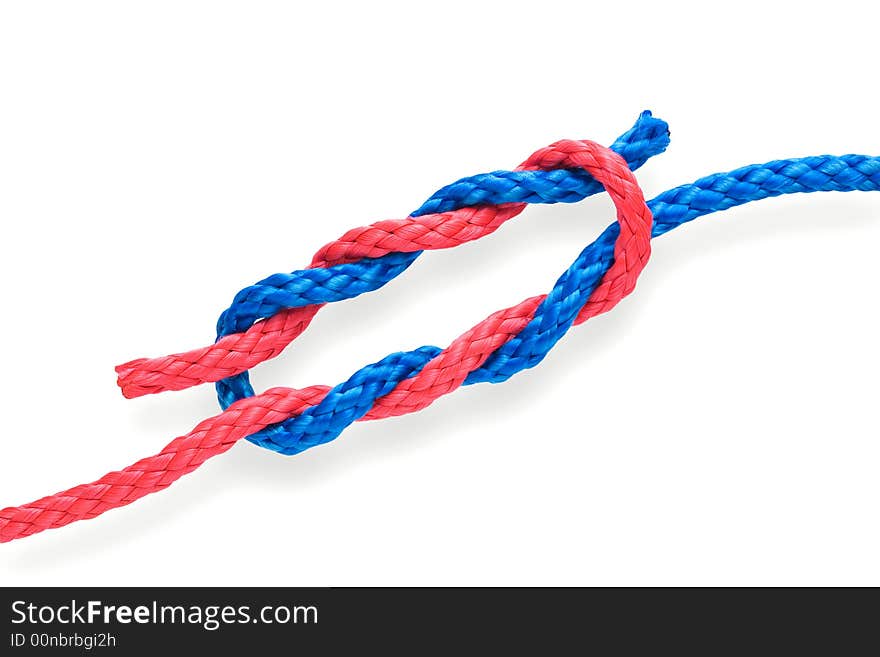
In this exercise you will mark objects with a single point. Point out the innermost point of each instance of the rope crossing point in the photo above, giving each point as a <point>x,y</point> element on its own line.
<point>264,318</point>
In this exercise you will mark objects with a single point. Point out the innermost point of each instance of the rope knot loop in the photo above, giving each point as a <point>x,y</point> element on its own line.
<point>264,318</point>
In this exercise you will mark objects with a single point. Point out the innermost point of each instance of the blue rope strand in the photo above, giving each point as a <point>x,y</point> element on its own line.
<point>649,136</point>
<point>352,399</point>
<point>671,209</point>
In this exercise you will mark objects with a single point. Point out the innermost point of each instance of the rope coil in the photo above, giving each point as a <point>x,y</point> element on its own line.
<point>265,317</point>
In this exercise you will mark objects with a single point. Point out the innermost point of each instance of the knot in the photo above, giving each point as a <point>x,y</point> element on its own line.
<point>405,383</point>
<point>265,317</point>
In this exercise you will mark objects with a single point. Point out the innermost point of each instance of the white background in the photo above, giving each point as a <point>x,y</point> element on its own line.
<point>719,427</point>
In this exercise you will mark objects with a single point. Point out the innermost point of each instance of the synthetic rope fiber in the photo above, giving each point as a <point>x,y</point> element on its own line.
<point>264,318</point>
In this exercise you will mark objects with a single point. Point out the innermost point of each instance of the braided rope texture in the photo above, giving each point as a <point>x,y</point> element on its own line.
<point>365,259</point>
<point>289,421</point>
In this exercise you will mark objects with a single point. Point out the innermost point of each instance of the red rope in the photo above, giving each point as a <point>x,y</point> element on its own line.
<point>440,376</point>
<point>266,339</point>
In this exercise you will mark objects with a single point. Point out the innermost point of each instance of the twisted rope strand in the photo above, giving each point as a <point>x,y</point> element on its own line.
<point>232,355</point>
<point>713,193</point>
<point>421,377</point>
<point>290,301</point>
<point>565,305</point>
<point>631,250</point>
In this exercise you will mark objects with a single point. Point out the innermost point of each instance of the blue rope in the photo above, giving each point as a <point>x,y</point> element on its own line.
<point>715,193</point>
<point>649,136</point>
<point>350,400</point>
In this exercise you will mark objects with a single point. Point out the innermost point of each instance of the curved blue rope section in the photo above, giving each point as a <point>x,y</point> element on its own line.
<point>350,400</point>
<point>648,136</point>
<point>714,193</point>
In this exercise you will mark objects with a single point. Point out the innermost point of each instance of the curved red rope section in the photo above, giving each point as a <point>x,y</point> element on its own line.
<point>239,352</point>
<point>441,375</point>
